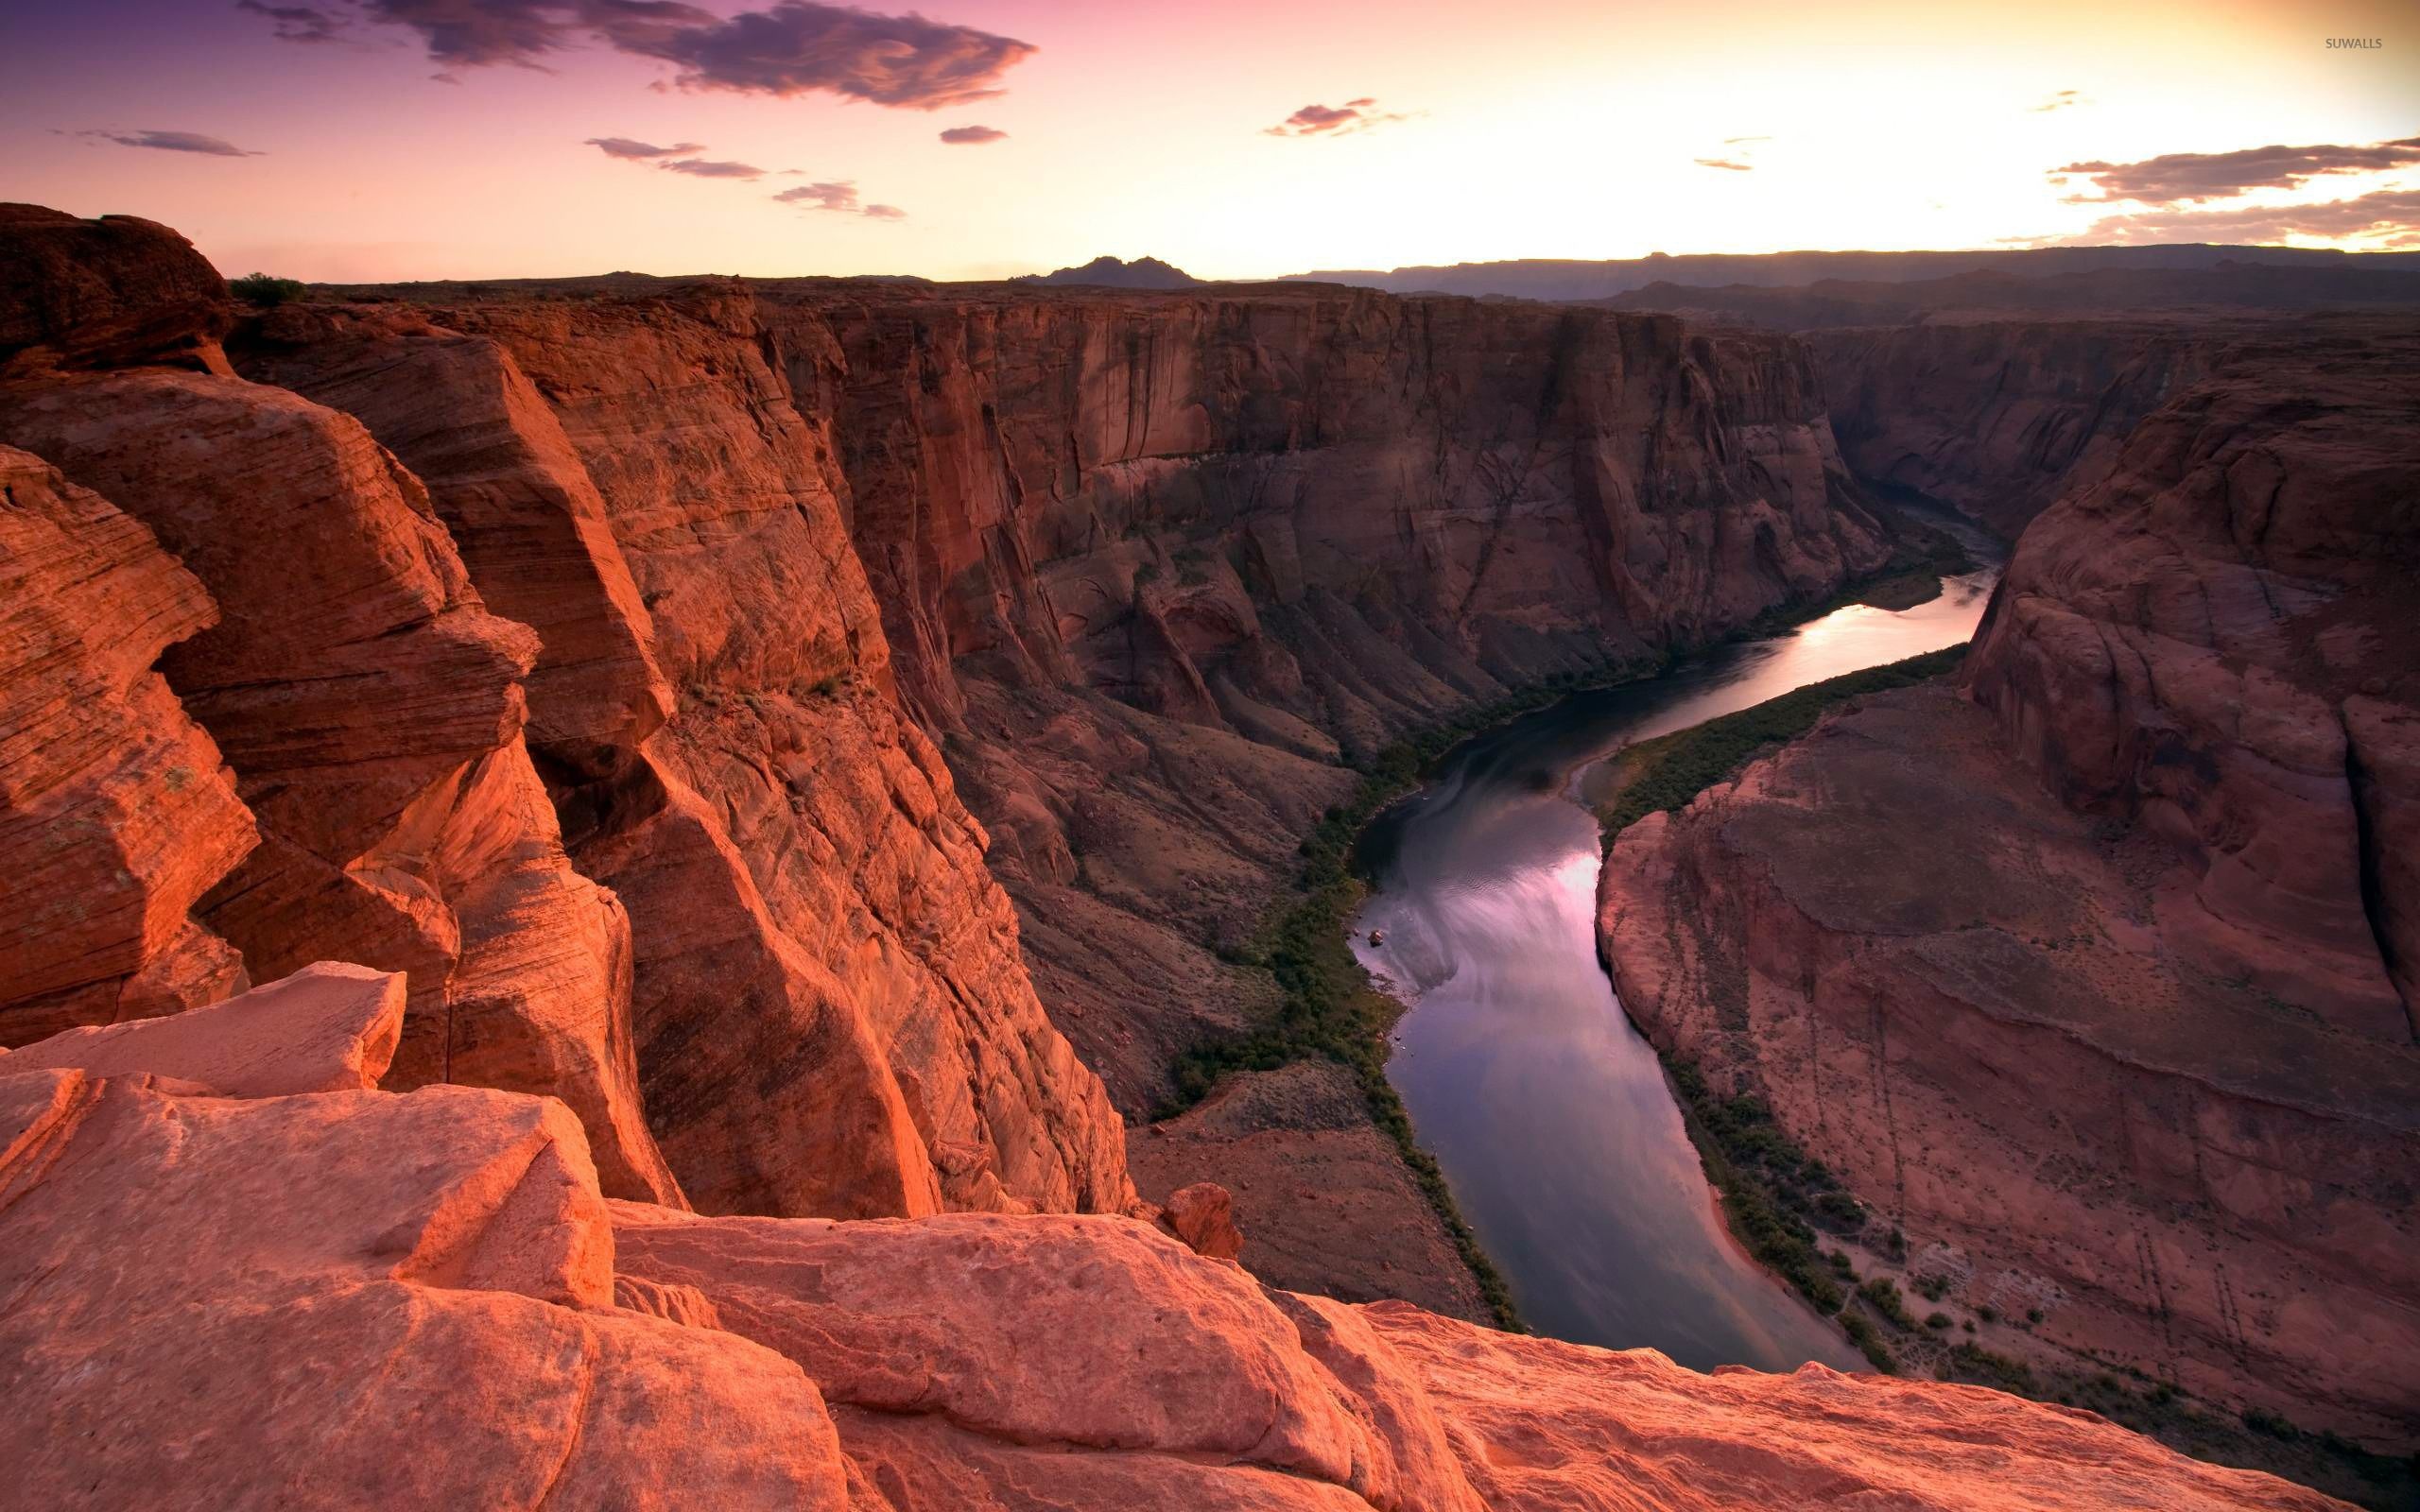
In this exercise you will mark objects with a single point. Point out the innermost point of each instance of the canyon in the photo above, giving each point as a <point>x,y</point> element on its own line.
<point>757,783</point>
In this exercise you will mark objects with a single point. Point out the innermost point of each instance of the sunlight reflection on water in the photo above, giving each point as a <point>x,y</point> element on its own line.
<point>1548,1111</point>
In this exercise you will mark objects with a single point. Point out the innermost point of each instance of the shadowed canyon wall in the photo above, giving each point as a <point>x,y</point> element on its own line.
<point>2135,1054</point>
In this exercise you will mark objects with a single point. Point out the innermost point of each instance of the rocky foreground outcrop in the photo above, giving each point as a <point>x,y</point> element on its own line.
<point>223,1288</point>
<point>2094,978</point>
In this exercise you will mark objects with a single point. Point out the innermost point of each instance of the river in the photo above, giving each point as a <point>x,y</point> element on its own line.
<point>1547,1110</point>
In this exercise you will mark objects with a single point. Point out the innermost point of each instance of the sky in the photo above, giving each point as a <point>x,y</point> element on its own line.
<point>374,140</point>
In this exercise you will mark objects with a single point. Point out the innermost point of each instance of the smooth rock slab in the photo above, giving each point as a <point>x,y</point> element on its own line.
<point>329,1027</point>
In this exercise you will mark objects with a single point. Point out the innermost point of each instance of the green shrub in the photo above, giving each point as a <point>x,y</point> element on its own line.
<point>1882,1295</point>
<point>1868,1338</point>
<point>265,292</point>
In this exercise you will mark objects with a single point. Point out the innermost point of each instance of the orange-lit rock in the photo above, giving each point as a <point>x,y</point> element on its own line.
<point>348,1299</point>
<point>224,1301</point>
<point>329,1027</point>
<point>831,1014</point>
<point>1203,1216</point>
<point>116,814</point>
<point>1041,1363</point>
<point>104,293</point>
<point>372,709</point>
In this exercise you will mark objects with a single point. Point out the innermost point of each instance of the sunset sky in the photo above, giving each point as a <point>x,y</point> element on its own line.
<point>344,140</point>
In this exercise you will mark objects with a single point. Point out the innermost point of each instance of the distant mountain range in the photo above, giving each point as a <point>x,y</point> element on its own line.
<point>2230,288</point>
<point>1565,280</point>
<point>1118,273</point>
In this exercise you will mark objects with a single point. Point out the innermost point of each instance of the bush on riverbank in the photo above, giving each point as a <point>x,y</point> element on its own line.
<point>1768,1184</point>
<point>1668,771</point>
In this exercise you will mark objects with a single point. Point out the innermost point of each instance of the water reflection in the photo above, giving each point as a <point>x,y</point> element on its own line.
<point>1544,1107</point>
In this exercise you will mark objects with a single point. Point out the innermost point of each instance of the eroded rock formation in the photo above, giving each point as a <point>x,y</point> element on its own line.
<point>116,814</point>
<point>2094,978</point>
<point>327,1313</point>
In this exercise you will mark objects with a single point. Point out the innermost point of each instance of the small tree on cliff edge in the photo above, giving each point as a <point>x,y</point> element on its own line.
<point>265,291</point>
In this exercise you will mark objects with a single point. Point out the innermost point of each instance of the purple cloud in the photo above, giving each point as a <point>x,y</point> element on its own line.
<point>839,196</point>
<point>622,146</point>
<point>702,169</point>
<point>173,142</point>
<point>2180,178</point>
<point>960,136</point>
<point>790,47</point>
<point>304,24</point>
<point>2390,217</point>
<point>1336,120</point>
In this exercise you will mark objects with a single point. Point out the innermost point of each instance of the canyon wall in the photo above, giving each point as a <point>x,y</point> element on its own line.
<point>2000,418</point>
<point>1148,565</point>
<point>290,1316</point>
<point>2093,978</point>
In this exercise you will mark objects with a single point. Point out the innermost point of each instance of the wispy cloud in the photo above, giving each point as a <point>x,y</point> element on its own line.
<point>1726,163</point>
<point>2390,218</point>
<point>622,146</point>
<point>963,136</point>
<point>2182,178</point>
<point>171,142</point>
<point>1337,120</point>
<point>305,23</point>
<point>790,47</point>
<point>704,168</point>
<point>2060,102</point>
<point>839,196</point>
<point>1735,141</point>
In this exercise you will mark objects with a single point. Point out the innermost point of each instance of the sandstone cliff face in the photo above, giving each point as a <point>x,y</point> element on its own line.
<point>2133,1048</point>
<point>830,1013</point>
<point>290,1316</point>
<point>2000,418</point>
<point>116,814</point>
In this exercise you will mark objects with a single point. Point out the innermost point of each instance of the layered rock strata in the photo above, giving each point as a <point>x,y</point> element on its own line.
<point>1146,565</point>
<point>830,1011</point>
